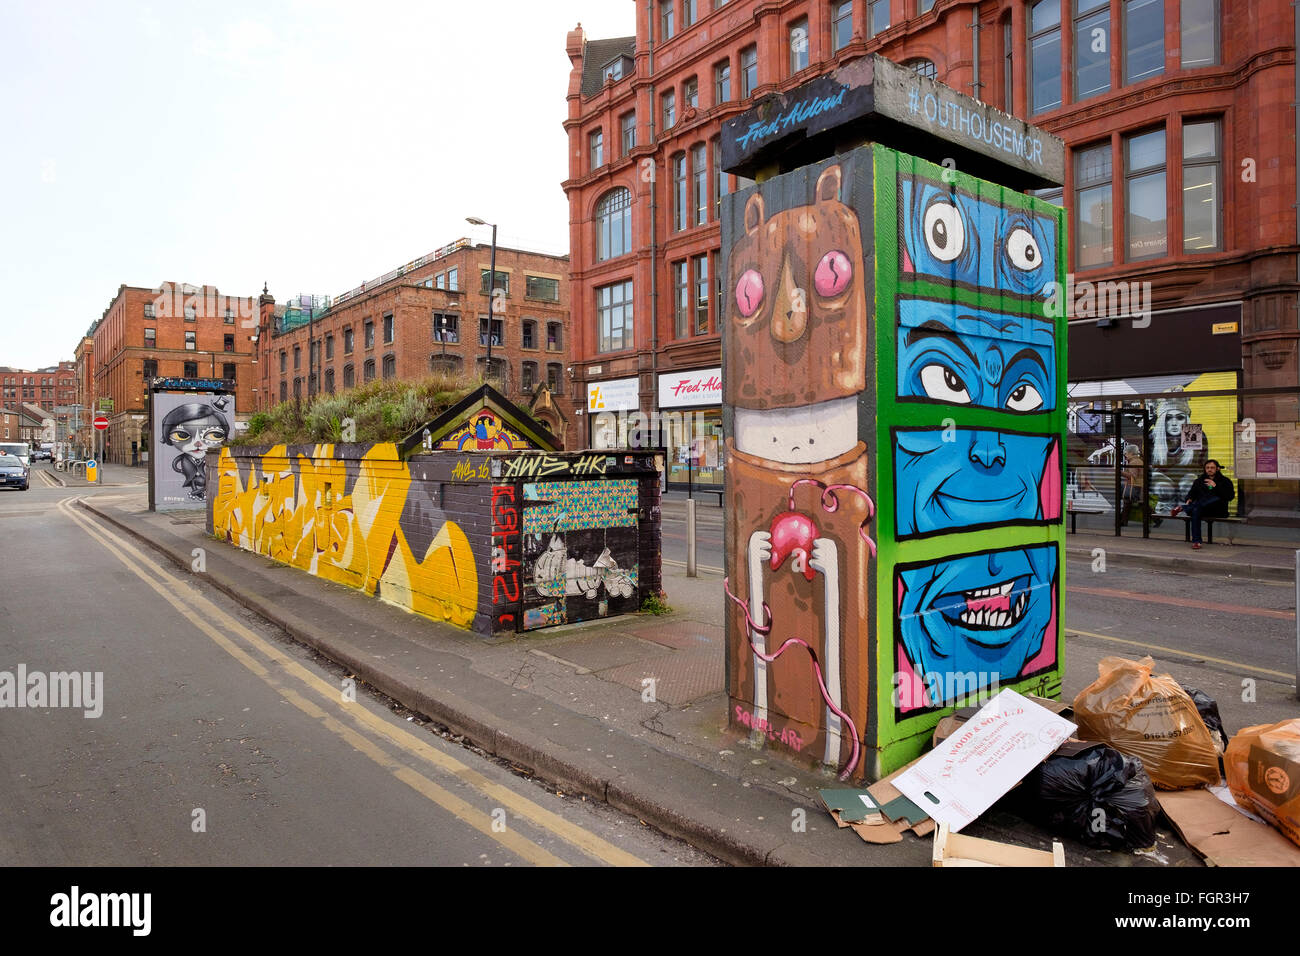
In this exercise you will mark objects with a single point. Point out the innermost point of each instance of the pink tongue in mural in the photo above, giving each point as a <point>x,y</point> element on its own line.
<point>792,531</point>
<point>995,602</point>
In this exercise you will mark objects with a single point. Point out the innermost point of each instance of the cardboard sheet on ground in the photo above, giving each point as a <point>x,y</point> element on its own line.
<point>891,821</point>
<point>1222,835</point>
<point>986,757</point>
<point>851,806</point>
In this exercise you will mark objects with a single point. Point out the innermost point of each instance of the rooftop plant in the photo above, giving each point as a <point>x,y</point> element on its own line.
<point>381,410</point>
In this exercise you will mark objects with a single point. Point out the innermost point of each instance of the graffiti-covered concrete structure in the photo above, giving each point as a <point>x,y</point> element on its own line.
<point>475,519</point>
<point>188,416</point>
<point>893,376</point>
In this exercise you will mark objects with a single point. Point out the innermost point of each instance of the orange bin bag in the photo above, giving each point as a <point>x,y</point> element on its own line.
<point>1151,718</point>
<point>1263,767</point>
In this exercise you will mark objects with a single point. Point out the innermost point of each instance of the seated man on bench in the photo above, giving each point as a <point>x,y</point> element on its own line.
<point>1208,498</point>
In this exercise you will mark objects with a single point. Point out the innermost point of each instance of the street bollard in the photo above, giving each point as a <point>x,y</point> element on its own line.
<point>92,471</point>
<point>690,539</point>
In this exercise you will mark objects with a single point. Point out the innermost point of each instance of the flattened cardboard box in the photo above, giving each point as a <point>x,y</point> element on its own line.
<point>1222,835</point>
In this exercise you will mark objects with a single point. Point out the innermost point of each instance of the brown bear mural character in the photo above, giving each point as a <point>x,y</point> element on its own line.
<point>796,340</point>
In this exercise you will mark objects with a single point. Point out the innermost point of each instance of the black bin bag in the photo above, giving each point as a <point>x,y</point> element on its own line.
<point>1208,708</point>
<point>1094,794</point>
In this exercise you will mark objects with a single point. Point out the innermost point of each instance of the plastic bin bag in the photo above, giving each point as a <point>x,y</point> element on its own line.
<point>1263,770</point>
<point>1151,718</point>
<point>1093,793</point>
<point>1208,708</point>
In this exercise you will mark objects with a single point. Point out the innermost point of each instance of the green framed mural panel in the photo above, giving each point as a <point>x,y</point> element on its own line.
<point>894,376</point>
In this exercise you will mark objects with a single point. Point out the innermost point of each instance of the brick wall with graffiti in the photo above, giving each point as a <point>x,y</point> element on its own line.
<point>894,375</point>
<point>490,543</point>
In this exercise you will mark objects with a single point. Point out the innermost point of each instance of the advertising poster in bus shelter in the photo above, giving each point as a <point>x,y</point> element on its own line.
<point>185,425</point>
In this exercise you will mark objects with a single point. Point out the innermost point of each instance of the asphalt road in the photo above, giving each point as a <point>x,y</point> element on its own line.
<point>220,742</point>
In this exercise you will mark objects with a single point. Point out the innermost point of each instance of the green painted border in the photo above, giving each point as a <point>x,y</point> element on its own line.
<point>899,740</point>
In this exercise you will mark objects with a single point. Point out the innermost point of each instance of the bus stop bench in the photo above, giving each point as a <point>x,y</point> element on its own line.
<point>1075,511</point>
<point>1209,529</point>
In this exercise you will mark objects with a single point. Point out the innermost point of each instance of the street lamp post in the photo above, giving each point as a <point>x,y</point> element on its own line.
<point>492,286</point>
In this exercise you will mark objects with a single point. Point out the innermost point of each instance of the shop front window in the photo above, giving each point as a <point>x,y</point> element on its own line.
<point>693,438</point>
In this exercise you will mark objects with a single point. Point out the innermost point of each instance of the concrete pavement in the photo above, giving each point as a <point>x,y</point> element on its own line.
<point>111,475</point>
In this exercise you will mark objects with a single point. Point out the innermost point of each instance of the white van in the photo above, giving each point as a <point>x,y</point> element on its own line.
<point>19,449</point>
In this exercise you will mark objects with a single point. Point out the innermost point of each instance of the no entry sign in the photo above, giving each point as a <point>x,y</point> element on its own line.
<point>101,422</point>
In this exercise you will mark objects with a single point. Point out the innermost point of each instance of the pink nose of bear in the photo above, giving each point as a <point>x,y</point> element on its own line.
<point>791,532</point>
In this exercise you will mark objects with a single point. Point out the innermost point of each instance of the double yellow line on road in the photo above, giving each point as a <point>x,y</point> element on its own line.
<point>302,688</point>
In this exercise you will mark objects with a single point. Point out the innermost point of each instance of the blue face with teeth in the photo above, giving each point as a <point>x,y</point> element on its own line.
<point>980,614</point>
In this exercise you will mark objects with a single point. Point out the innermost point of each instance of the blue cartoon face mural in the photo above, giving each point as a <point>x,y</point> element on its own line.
<point>954,238</point>
<point>895,450</point>
<point>946,480</point>
<point>968,356</point>
<point>987,614</point>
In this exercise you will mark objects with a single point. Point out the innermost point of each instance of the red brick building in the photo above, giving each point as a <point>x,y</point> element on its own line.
<point>52,389</point>
<point>84,363</point>
<point>1181,172</point>
<point>173,331</point>
<point>10,421</point>
<point>427,315</point>
<point>46,387</point>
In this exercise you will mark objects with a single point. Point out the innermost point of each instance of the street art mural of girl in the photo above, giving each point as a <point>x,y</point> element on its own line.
<point>192,428</point>
<point>1175,465</point>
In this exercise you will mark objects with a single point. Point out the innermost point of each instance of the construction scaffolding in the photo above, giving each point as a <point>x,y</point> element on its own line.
<point>300,310</point>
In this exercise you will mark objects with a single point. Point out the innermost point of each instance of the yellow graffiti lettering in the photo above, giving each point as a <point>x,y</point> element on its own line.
<point>305,513</point>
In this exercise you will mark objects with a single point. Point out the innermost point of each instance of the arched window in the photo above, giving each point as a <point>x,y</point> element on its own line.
<point>446,364</point>
<point>614,224</point>
<point>922,67</point>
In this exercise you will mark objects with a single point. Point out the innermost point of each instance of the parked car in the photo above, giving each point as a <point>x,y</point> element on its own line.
<point>13,473</point>
<point>19,449</point>
<point>42,454</point>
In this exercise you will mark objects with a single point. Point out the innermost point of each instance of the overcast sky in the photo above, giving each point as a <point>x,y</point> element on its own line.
<point>312,145</point>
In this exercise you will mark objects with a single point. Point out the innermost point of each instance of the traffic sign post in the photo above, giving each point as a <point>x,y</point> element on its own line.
<point>101,425</point>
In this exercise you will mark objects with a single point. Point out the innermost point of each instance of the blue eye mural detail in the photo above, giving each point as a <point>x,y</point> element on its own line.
<point>955,238</point>
<point>973,478</point>
<point>954,355</point>
<point>985,614</point>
